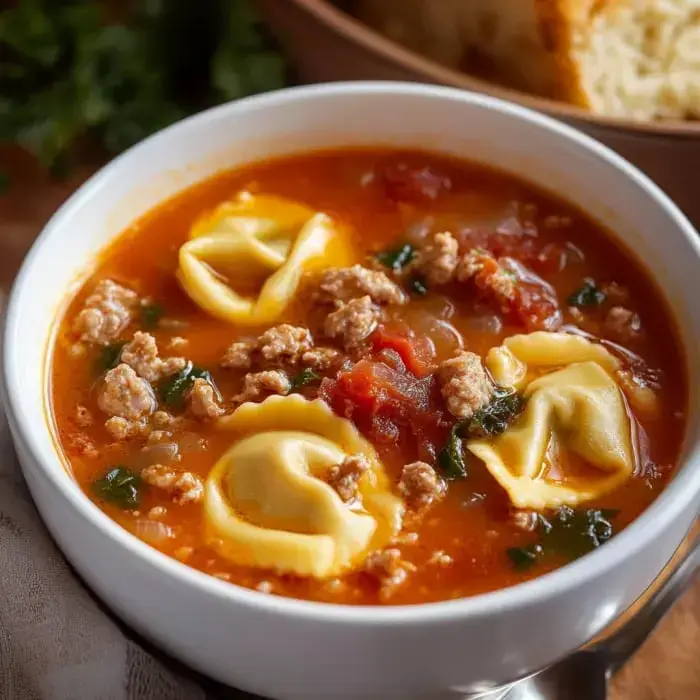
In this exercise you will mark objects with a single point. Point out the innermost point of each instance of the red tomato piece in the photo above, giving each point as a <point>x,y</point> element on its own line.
<point>416,354</point>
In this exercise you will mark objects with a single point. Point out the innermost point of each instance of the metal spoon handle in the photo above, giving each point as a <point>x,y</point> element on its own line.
<point>620,647</point>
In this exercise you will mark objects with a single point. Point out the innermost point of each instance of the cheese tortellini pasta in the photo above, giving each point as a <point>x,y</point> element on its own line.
<point>267,505</point>
<point>244,261</point>
<point>575,440</point>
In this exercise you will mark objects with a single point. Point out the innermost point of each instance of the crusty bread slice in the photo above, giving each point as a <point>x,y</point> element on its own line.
<point>628,58</point>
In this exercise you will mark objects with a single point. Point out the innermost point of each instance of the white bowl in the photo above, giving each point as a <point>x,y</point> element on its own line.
<point>293,649</point>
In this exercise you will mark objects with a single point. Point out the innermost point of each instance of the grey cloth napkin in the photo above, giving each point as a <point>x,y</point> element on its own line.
<point>56,640</point>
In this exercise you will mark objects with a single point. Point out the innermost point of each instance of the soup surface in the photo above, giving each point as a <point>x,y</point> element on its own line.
<point>369,377</point>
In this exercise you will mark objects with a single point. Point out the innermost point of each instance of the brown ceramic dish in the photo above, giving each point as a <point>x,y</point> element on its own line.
<point>326,44</point>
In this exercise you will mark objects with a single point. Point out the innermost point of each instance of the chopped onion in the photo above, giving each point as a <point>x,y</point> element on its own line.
<point>486,323</point>
<point>152,531</point>
<point>160,453</point>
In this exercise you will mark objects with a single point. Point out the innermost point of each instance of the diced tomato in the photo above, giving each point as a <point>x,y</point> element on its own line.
<point>416,353</point>
<point>406,184</point>
<point>536,307</point>
<point>386,403</point>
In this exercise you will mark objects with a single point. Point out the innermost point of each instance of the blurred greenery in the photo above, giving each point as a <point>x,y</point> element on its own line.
<point>114,72</point>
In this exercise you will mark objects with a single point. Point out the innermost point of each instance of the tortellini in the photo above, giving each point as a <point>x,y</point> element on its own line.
<point>575,439</point>
<point>267,505</point>
<point>244,261</point>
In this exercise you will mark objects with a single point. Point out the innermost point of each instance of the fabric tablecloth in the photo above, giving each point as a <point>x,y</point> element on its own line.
<point>57,641</point>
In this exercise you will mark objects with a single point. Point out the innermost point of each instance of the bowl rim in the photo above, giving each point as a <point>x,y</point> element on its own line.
<point>348,27</point>
<point>678,494</point>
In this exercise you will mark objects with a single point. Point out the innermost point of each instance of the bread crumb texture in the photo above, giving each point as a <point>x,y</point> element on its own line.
<point>638,59</point>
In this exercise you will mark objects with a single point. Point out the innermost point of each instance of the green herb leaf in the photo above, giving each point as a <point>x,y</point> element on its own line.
<point>587,296</point>
<point>109,357</point>
<point>495,418</point>
<point>305,377</point>
<point>245,61</point>
<point>418,286</point>
<point>28,31</point>
<point>451,457</point>
<point>172,390</point>
<point>151,315</point>
<point>572,533</point>
<point>568,533</point>
<point>119,486</point>
<point>523,558</point>
<point>397,258</point>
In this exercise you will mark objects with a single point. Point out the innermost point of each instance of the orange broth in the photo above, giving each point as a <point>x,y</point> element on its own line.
<point>458,547</point>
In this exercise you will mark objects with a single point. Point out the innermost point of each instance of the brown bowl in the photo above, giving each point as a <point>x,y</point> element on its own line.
<point>326,44</point>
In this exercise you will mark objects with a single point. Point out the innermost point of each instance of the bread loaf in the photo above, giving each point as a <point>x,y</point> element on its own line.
<point>626,58</point>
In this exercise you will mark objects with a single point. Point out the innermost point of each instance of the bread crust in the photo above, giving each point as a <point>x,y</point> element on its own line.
<point>628,58</point>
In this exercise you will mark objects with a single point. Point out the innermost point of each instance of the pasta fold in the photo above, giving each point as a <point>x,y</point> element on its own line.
<point>244,261</point>
<point>267,505</point>
<point>575,439</point>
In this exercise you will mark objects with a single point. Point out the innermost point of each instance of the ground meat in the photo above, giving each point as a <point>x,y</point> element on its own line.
<point>621,323</point>
<point>177,342</point>
<point>465,385</point>
<point>141,354</point>
<point>123,429</point>
<point>488,274</point>
<point>83,416</point>
<point>420,484</point>
<point>84,446</point>
<point>388,568</point>
<point>107,312</point>
<point>125,394</point>
<point>343,477</point>
<point>156,437</point>
<point>437,261</point>
<point>285,343</point>
<point>203,400</point>
<point>240,355</point>
<point>162,420</point>
<point>440,558</point>
<point>260,383</point>
<point>278,346</point>
<point>157,512</point>
<point>524,519</point>
<point>353,322</point>
<point>184,487</point>
<point>320,358</point>
<point>346,283</point>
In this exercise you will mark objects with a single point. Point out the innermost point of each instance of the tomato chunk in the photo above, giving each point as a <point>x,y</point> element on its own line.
<point>417,354</point>
<point>387,402</point>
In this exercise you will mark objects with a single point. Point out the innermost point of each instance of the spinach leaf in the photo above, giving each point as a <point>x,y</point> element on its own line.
<point>523,558</point>
<point>305,377</point>
<point>109,357</point>
<point>451,457</point>
<point>587,296</point>
<point>151,315</point>
<point>567,533</point>
<point>172,390</point>
<point>119,486</point>
<point>397,258</point>
<point>572,533</point>
<point>418,286</point>
<point>495,418</point>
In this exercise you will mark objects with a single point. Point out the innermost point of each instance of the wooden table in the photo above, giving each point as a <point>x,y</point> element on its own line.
<point>667,667</point>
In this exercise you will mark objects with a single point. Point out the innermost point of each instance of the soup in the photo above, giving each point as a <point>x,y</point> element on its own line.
<point>369,377</point>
